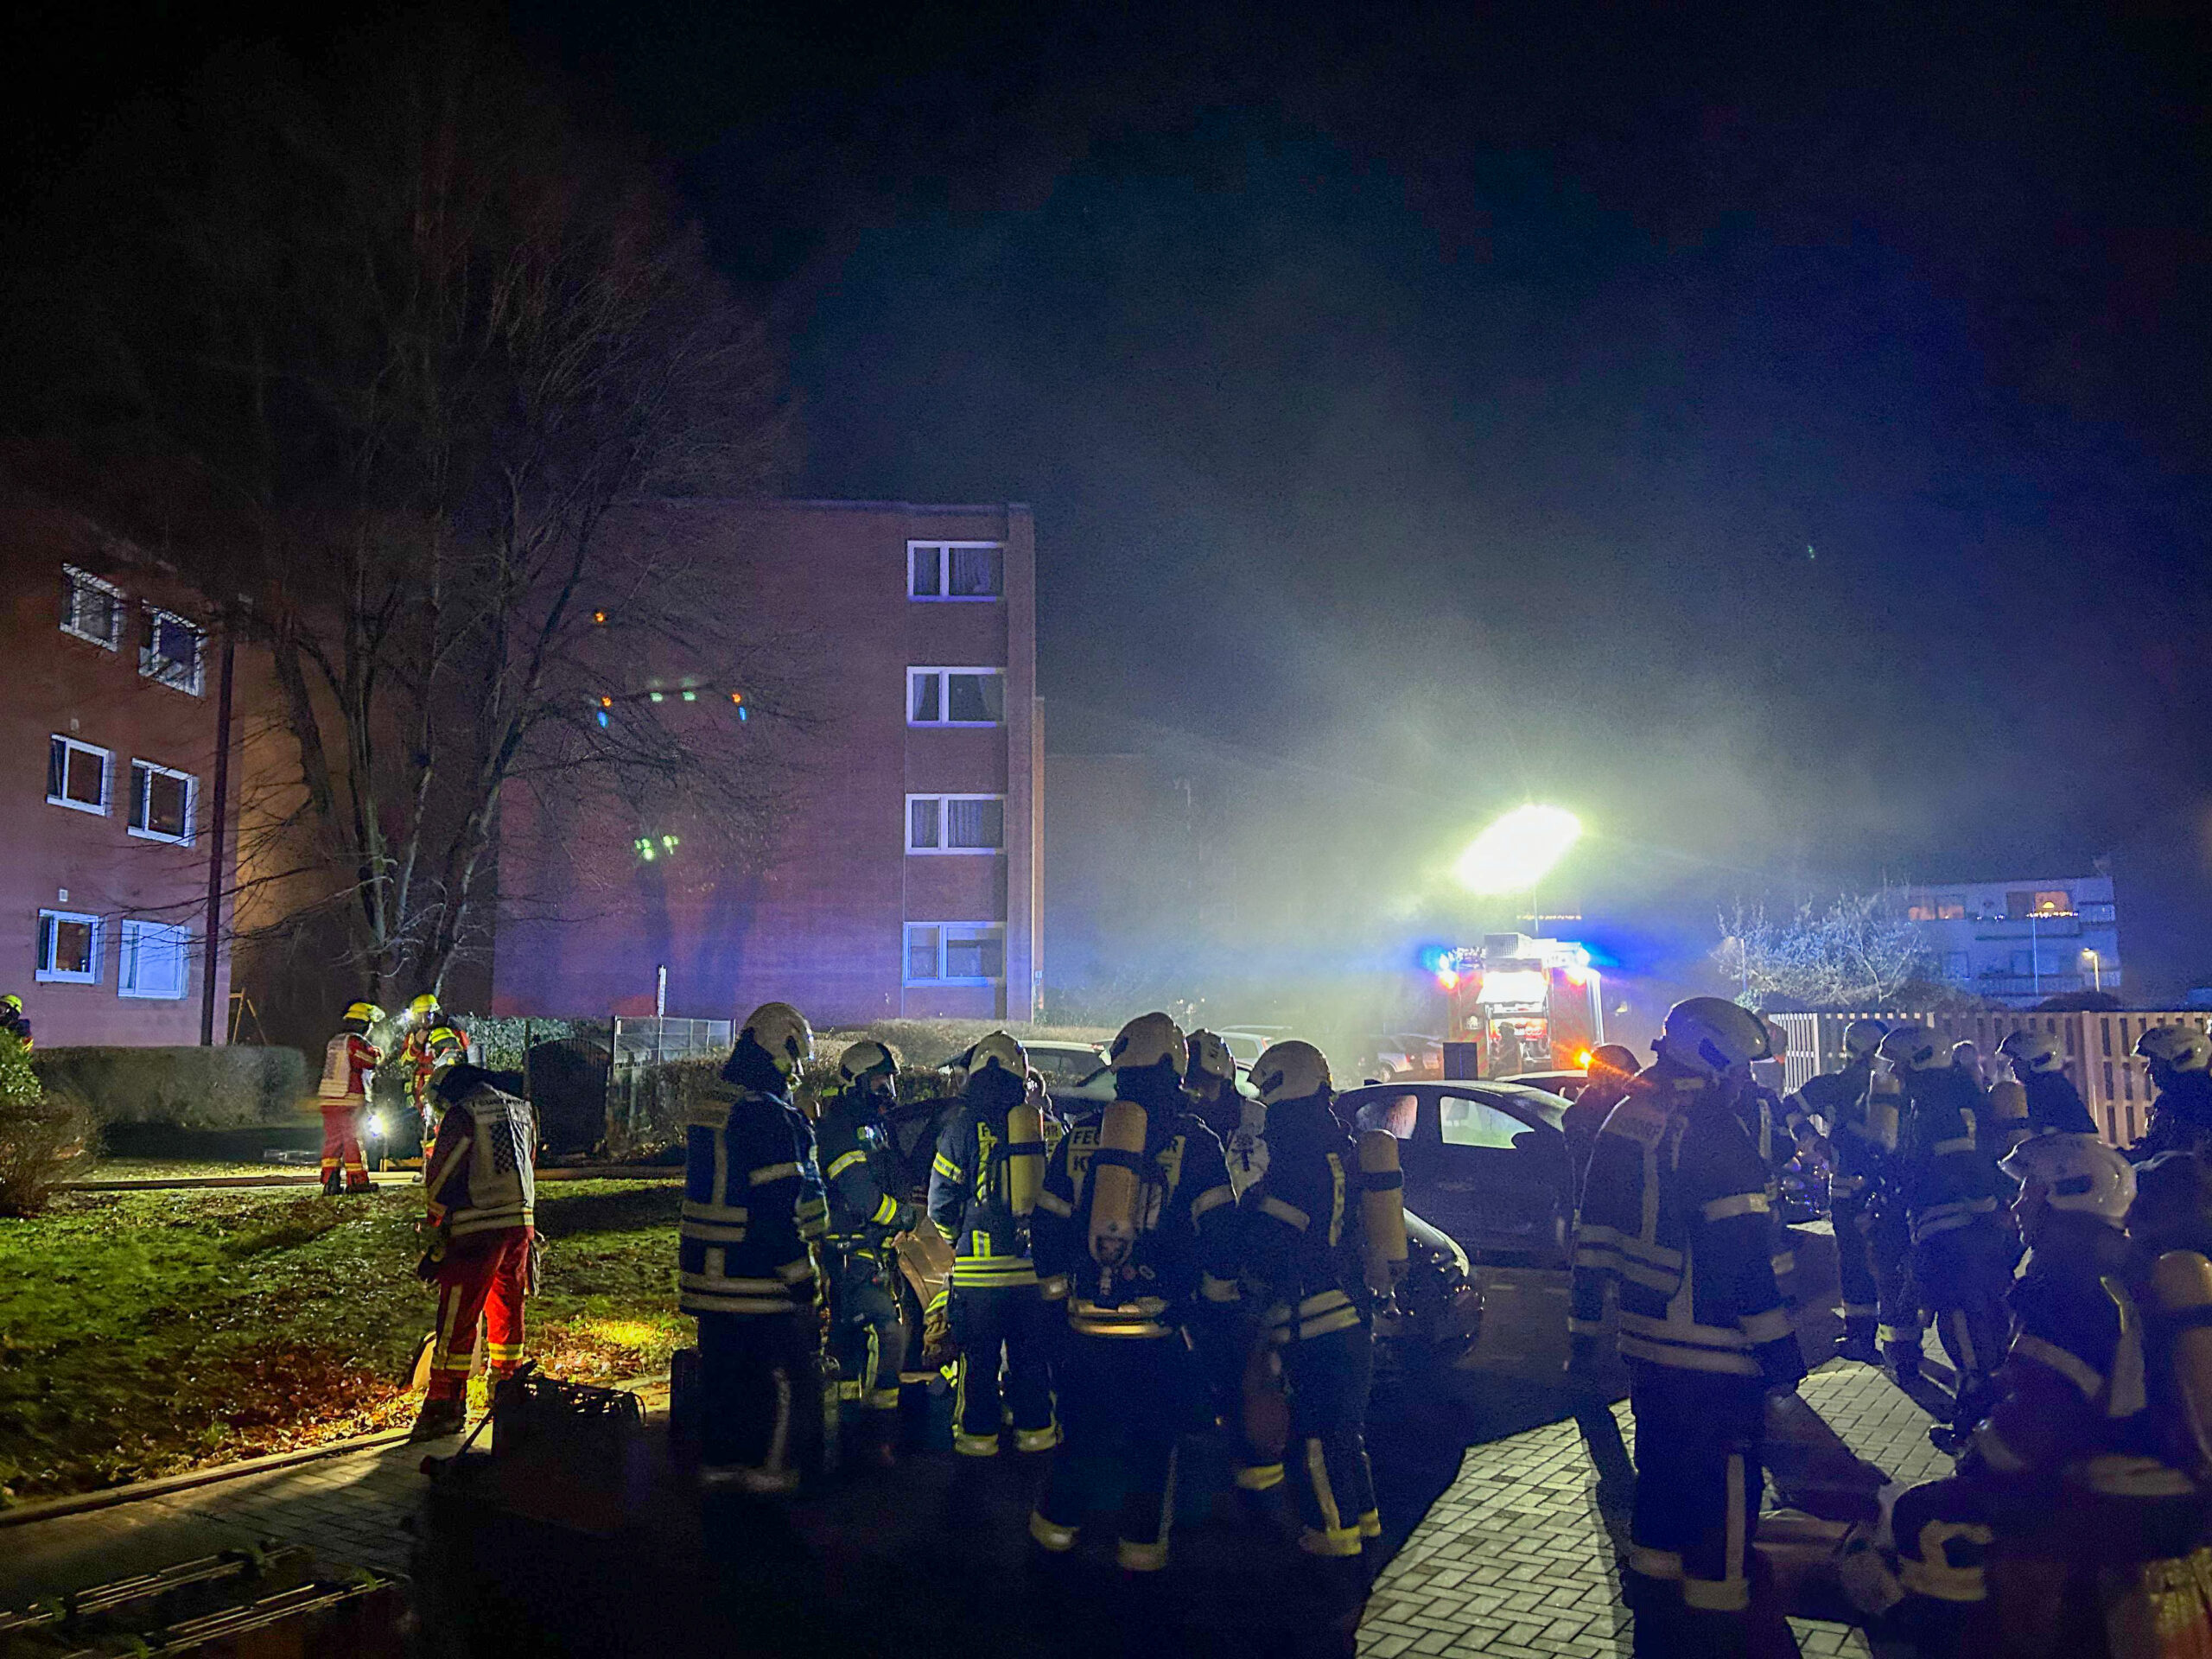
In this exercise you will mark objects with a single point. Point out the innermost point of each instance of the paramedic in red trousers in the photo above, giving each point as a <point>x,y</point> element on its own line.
<point>752,1207</point>
<point>479,1184</point>
<point>1674,1214</point>
<point>344,1098</point>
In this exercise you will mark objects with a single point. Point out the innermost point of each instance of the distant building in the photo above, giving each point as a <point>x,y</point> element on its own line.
<point>901,878</point>
<point>2018,941</point>
<point>105,788</point>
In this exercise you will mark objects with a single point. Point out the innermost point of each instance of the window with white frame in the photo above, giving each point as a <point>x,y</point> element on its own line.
<point>173,650</point>
<point>956,697</point>
<point>91,608</point>
<point>155,960</point>
<point>76,775</point>
<point>68,948</point>
<point>955,823</point>
<point>956,569</point>
<point>161,802</point>
<point>954,953</point>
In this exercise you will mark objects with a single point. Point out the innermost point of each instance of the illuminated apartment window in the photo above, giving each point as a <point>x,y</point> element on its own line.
<point>954,953</point>
<point>92,609</point>
<point>956,697</point>
<point>955,570</point>
<point>161,803</point>
<point>154,961</point>
<point>68,948</point>
<point>955,823</point>
<point>76,775</point>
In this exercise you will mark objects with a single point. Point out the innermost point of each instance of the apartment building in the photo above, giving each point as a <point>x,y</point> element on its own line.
<point>899,875</point>
<point>2017,941</point>
<point>105,788</point>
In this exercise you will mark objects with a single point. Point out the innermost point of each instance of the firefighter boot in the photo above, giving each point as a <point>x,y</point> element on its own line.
<point>1857,1345</point>
<point>439,1419</point>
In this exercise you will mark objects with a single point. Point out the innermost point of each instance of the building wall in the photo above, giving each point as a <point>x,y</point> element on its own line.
<point>819,916</point>
<point>2019,941</point>
<point>88,864</point>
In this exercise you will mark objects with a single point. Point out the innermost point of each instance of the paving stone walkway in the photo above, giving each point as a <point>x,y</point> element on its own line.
<point>1514,1559</point>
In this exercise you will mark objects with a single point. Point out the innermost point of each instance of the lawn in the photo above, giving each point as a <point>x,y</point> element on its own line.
<point>144,1333</point>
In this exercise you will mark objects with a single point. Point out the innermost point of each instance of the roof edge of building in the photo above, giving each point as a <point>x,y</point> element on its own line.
<point>949,508</point>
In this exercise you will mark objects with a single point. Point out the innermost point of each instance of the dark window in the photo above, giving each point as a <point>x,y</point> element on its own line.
<point>922,821</point>
<point>974,573</point>
<point>973,698</point>
<point>161,802</point>
<point>974,824</point>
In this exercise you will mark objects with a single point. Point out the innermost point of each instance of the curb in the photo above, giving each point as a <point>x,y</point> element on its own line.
<point>55,1509</point>
<point>191,1182</point>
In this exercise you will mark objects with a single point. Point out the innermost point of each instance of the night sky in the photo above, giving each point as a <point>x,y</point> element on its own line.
<point>1779,434</point>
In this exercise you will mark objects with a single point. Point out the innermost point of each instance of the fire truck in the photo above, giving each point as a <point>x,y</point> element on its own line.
<point>1517,1004</point>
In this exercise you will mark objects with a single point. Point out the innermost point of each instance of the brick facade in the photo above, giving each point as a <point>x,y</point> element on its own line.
<point>103,923</point>
<point>821,916</point>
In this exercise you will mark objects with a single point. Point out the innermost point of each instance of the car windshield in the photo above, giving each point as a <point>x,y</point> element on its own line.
<point>1476,1123</point>
<point>1064,1065</point>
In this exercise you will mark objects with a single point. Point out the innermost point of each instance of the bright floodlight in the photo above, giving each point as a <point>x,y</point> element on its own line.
<point>1517,851</point>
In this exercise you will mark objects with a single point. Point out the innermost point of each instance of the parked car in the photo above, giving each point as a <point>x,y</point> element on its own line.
<point>1406,1054</point>
<point>1063,1061</point>
<point>1565,1085</point>
<point>1095,1092</point>
<point>1486,1162</point>
<point>1246,1043</point>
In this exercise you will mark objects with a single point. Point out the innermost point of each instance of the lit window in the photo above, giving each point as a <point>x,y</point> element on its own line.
<point>954,953</point>
<point>161,803</point>
<point>92,609</point>
<point>954,570</point>
<point>68,948</point>
<point>955,823</point>
<point>956,697</point>
<point>76,775</point>
<point>155,960</point>
<point>172,651</point>
<point>1950,910</point>
<point>2054,903</point>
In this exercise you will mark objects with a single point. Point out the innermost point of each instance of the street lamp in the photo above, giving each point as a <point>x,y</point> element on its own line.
<point>2096,966</point>
<point>1517,851</point>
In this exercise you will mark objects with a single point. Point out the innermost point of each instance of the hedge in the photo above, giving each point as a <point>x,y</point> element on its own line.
<point>230,1087</point>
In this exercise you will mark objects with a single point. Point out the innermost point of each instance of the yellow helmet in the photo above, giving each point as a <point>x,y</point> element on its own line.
<point>445,1038</point>
<point>367,1013</point>
<point>423,1007</point>
<point>868,1059</point>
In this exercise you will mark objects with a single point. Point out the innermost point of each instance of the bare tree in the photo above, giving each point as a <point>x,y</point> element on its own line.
<point>430,338</point>
<point>1861,951</point>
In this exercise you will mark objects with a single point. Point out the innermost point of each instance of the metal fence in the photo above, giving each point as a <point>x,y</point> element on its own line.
<point>2100,1051</point>
<point>648,1041</point>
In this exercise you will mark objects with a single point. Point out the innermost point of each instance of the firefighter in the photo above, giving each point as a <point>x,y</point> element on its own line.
<point>417,1062</point>
<point>751,1209</point>
<point>2038,1063</point>
<point>2181,1113</point>
<point>1138,1217</point>
<point>1674,1220</point>
<point>1962,1250</point>
<point>1211,1085</point>
<point>1612,1073</point>
<point>2074,1467</point>
<point>1304,1262</point>
<point>344,1096</point>
<point>479,1188</point>
<point>998,1312</point>
<point>2173,1204</point>
<point>12,1021</point>
<point>868,1335</point>
<point>1834,1103</point>
<point>1775,1138</point>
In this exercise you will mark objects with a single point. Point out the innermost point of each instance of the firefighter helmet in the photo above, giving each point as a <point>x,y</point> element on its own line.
<point>1710,1034</point>
<point>1291,1071</point>
<point>1612,1060</point>
<point>1966,1056</point>
<point>1210,1057</point>
<point>2074,1171</point>
<point>1862,1038</point>
<point>13,1003</point>
<point>2032,1051</point>
<point>446,1040</point>
<point>1000,1049</point>
<point>2177,1048</point>
<point>782,1031</point>
<point>1915,1048</point>
<point>1149,1040</point>
<point>867,1059</point>
<point>423,1007</point>
<point>367,1013</point>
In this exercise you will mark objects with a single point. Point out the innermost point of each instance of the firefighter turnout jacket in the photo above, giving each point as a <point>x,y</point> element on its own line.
<point>1185,1253</point>
<point>752,1205</point>
<point>970,1203</point>
<point>859,1172</point>
<point>346,1063</point>
<point>1837,1099</point>
<point>2054,1105</point>
<point>1949,1180</point>
<point>2181,1117</point>
<point>1302,1238</point>
<point>481,1176</point>
<point>1675,1215</point>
